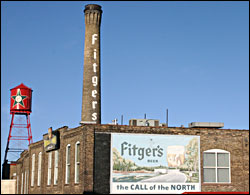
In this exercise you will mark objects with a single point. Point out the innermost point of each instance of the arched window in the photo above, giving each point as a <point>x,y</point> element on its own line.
<point>56,167</point>
<point>33,169</point>
<point>67,175</point>
<point>77,161</point>
<point>216,166</point>
<point>49,167</point>
<point>17,183</point>
<point>22,184</point>
<point>39,169</point>
<point>25,182</point>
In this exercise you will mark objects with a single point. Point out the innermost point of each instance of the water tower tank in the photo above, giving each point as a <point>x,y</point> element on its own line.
<point>20,99</point>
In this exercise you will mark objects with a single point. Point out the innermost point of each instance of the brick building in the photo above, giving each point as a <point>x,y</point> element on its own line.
<point>82,159</point>
<point>90,170</point>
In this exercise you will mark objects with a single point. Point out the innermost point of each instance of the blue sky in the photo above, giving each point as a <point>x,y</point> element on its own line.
<point>189,57</point>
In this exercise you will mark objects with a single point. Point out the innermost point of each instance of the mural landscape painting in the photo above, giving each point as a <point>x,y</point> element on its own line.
<point>182,166</point>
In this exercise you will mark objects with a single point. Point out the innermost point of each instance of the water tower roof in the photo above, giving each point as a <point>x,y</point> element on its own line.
<point>21,86</point>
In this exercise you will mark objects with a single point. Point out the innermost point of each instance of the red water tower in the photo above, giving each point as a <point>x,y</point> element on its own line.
<point>20,105</point>
<point>20,99</point>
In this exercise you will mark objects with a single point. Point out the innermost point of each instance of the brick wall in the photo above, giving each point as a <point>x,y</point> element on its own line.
<point>66,137</point>
<point>234,141</point>
<point>95,157</point>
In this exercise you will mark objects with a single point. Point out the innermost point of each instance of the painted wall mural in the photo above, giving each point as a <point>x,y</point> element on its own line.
<point>154,163</point>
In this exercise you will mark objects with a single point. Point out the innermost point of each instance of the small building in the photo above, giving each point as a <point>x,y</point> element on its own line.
<point>8,186</point>
<point>162,171</point>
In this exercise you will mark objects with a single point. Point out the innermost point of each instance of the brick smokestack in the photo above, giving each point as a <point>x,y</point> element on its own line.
<point>91,97</point>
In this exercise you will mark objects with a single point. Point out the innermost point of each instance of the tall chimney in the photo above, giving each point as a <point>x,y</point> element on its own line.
<point>91,96</point>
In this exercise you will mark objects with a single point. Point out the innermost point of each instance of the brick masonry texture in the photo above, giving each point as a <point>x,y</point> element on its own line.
<point>92,26</point>
<point>95,157</point>
<point>102,163</point>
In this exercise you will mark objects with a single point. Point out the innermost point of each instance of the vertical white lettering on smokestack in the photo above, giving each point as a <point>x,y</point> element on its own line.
<point>94,116</point>
<point>94,67</point>
<point>94,92</point>
<point>94,79</point>
<point>95,54</point>
<point>94,38</point>
<point>93,104</point>
<point>91,100</point>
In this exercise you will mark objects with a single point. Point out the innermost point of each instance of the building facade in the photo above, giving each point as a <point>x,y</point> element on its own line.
<point>82,161</point>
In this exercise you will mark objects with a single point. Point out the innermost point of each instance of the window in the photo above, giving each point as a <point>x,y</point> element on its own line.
<point>39,169</point>
<point>49,168</point>
<point>56,168</point>
<point>17,183</point>
<point>25,181</point>
<point>33,170</point>
<point>67,177</point>
<point>77,161</point>
<point>216,166</point>
<point>22,184</point>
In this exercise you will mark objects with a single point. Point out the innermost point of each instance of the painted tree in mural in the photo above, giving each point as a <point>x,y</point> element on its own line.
<point>192,155</point>
<point>120,163</point>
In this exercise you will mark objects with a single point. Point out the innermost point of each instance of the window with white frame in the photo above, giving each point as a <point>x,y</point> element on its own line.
<point>77,161</point>
<point>33,169</point>
<point>39,169</point>
<point>49,167</point>
<point>216,166</point>
<point>22,184</point>
<point>17,183</point>
<point>67,175</point>
<point>56,167</point>
<point>25,181</point>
